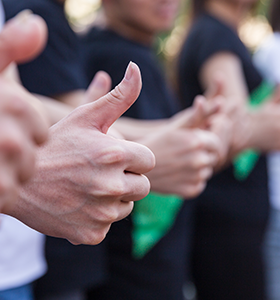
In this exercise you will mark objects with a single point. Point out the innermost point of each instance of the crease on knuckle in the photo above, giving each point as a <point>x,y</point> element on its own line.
<point>108,216</point>
<point>111,155</point>
<point>116,95</point>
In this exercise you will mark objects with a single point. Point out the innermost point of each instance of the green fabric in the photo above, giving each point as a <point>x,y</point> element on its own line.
<point>245,162</point>
<point>152,218</point>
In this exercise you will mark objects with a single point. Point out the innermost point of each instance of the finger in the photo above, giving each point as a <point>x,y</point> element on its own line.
<point>206,140</point>
<point>100,86</point>
<point>22,38</point>
<point>198,115</point>
<point>139,159</point>
<point>139,187</point>
<point>106,110</point>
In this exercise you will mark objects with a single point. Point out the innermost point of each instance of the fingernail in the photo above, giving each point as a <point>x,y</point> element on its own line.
<point>129,71</point>
<point>23,16</point>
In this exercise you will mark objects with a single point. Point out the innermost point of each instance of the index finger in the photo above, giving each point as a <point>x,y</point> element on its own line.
<point>139,158</point>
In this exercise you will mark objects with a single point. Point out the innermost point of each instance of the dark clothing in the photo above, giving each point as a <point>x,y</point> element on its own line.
<point>107,51</point>
<point>57,70</point>
<point>160,273</point>
<point>230,215</point>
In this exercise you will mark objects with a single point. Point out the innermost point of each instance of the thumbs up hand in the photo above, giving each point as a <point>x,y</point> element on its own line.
<point>85,179</point>
<point>185,152</point>
<point>22,129</point>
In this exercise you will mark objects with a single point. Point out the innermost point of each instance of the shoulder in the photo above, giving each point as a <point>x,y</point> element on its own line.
<point>213,33</point>
<point>108,51</point>
<point>209,36</point>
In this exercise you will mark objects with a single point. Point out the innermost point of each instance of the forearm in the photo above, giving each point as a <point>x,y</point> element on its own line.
<point>133,129</point>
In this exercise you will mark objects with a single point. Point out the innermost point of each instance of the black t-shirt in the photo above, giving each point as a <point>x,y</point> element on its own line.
<point>207,37</point>
<point>160,274</point>
<point>56,70</point>
<point>230,215</point>
<point>107,51</point>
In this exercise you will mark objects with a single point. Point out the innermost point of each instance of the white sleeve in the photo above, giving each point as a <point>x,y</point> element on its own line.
<point>267,59</point>
<point>275,57</point>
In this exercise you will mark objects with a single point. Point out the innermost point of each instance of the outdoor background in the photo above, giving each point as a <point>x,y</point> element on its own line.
<point>83,12</point>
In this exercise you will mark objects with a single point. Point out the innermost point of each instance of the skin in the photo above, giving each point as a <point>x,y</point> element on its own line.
<point>186,154</point>
<point>84,179</point>
<point>23,128</point>
<point>140,20</point>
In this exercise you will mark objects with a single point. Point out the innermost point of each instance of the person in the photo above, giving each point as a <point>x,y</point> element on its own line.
<point>231,214</point>
<point>183,155</point>
<point>62,80</point>
<point>267,60</point>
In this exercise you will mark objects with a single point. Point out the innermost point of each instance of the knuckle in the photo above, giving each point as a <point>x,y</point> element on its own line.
<point>118,190</point>
<point>19,107</point>
<point>108,215</point>
<point>89,236</point>
<point>112,155</point>
<point>194,190</point>
<point>12,147</point>
<point>198,160</point>
<point>8,186</point>
<point>115,95</point>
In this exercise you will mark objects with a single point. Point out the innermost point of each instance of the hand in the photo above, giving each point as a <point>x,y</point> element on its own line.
<point>185,154</point>
<point>85,179</point>
<point>21,127</point>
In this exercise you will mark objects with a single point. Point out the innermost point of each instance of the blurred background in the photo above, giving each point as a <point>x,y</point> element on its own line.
<point>255,29</point>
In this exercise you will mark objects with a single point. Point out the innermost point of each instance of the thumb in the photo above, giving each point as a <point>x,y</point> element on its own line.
<point>198,115</point>
<point>106,110</point>
<point>22,38</point>
<point>100,86</point>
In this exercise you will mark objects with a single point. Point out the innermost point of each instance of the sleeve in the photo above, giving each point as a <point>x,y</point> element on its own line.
<point>215,38</point>
<point>57,70</point>
<point>267,59</point>
<point>275,60</point>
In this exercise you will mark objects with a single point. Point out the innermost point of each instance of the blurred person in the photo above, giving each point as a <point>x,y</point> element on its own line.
<point>183,153</point>
<point>56,74</point>
<point>231,214</point>
<point>267,60</point>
